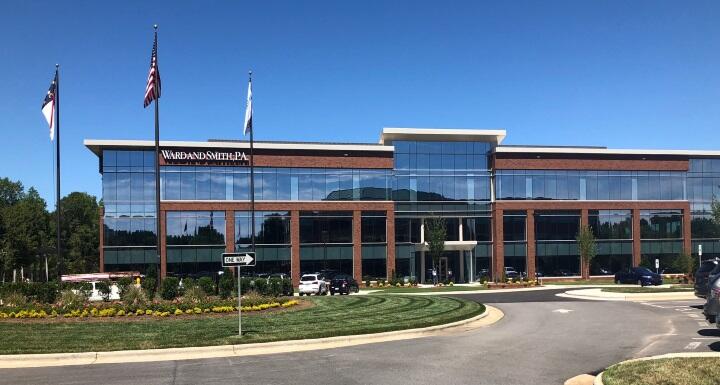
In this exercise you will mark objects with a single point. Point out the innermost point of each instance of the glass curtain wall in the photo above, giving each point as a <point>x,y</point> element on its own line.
<point>478,260</point>
<point>613,234</point>
<point>272,240</point>
<point>195,242</point>
<point>703,185</point>
<point>407,233</point>
<point>590,185</point>
<point>129,201</point>
<point>661,238</point>
<point>285,184</point>
<point>515,240</point>
<point>374,245</point>
<point>556,245</point>
<point>326,241</point>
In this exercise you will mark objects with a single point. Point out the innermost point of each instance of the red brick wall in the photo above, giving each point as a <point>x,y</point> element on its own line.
<point>101,250</point>
<point>547,162</point>
<point>530,225</point>
<point>390,228</point>
<point>357,245</point>
<point>498,244</point>
<point>163,244</point>
<point>295,246</point>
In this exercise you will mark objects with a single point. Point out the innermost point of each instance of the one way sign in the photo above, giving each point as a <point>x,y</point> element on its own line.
<point>238,259</point>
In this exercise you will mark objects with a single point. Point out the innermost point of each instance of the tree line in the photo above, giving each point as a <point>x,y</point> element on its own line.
<point>28,234</point>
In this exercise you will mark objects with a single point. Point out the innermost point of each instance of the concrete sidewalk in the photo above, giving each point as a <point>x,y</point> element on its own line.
<point>489,317</point>
<point>597,294</point>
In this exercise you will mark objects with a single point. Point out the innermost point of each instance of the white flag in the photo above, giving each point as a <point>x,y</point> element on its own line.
<point>48,106</point>
<point>248,111</point>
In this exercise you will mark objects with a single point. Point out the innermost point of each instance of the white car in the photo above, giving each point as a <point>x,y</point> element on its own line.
<point>312,284</point>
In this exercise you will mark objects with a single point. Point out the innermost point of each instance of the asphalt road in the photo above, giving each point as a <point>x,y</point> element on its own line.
<point>543,339</point>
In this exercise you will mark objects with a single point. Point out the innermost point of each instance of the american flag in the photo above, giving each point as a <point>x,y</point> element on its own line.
<point>48,105</point>
<point>153,81</point>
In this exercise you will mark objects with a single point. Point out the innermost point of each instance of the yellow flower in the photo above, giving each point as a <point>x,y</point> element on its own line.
<point>178,312</point>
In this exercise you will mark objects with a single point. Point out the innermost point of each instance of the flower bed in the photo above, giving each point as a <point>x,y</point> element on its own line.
<point>154,309</point>
<point>511,285</point>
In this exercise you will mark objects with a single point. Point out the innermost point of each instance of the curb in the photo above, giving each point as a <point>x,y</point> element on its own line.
<point>488,317</point>
<point>599,295</point>
<point>599,381</point>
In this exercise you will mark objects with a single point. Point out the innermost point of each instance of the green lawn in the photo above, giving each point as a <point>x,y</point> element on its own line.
<point>672,289</point>
<point>331,316</point>
<point>670,371</point>
<point>439,289</point>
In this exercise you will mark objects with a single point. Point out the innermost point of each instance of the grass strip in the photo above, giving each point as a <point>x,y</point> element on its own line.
<point>668,371</point>
<point>439,289</point>
<point>672,289</point>
<point>330,316</point>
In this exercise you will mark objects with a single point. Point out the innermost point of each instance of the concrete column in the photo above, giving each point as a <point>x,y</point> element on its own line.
<point>295,247</point>
<point>101,250</point>
<point>357,245</point>
<point>229,231</point>
<point>461,259</point>
<point>390,235</point>
<point>422,266</point>
<point>530,260</point>
<point>498,264</point>
<point>163,243</point>
<point>584,221</point>
<point>636,237</point>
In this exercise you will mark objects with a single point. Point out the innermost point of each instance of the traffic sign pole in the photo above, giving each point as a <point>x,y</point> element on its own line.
<point>239,304</point>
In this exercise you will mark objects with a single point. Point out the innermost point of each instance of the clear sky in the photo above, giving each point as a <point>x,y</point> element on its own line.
<point>624,74</point>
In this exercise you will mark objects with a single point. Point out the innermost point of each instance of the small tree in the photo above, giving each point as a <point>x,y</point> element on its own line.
<point>226,284</point>
<point>169,289</point>
<point>685,263</point>
<point>149,284</point>
<point>587,249</point>
<point>436,235</point>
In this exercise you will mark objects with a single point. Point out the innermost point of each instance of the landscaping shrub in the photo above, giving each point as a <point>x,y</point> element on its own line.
<point>133,296</point>
<point>207,285</point>
<point>287,286</point>
<point>226,284</point>
<point>253,298</point>
<point>260,285</point>
<point>123,284</point>
<point>169,288</point>
<point>14,299</point>
<point>274,287</point>
<point>72,299</point>
<point>103,288</point>
<point>247,283</point>
<point>194,295</point>
<point>149,284</point>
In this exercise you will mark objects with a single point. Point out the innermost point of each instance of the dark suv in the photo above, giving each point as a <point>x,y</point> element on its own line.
<point>640,275</point>
<point>343,284</point>
<point>702,275</point>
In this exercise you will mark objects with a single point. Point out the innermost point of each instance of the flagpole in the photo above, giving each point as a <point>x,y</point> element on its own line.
<point>157,160</point>
<point>57,171</point>
<point>252,179</point>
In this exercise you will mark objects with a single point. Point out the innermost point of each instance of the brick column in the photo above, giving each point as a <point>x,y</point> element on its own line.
<point>636,237</point>
<point>390,234</point>
<point>498,265</point>
<point>357,245</point>
<point>687,233</point>
<point>163,244</point>
<point>295,247</point>
<point>229,231</point>
<point>584,270</point>
<point>101,250</point>
<point>530,238</point>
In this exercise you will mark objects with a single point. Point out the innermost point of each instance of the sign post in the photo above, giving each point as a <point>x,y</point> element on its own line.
<point>699,254</point>
<point>657,265</point>
<point>238,260</point>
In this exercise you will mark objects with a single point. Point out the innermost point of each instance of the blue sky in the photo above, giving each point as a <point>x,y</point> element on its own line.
<point>627,74</point>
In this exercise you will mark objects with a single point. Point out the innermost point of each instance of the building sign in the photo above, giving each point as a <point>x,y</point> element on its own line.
<point>209,156</point>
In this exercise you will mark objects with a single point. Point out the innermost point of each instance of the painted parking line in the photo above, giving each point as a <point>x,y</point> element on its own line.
<point>703,324</point>
<point>692,345</point>
<point>706,338</point>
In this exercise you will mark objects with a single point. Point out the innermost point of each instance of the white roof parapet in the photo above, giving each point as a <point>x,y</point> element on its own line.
<point>96,144</point>
<point>602,151</point>
<point>441,134</point>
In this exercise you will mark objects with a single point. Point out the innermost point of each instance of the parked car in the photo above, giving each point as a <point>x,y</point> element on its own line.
<point>702,275</point>
<point>640,275</point>
<point>511,273</point>
<point>343,284</point>
<point>712,302</point>
<point>312,284</point>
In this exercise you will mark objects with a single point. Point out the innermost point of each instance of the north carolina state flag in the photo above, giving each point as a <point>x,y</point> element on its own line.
<point>48,106</point>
